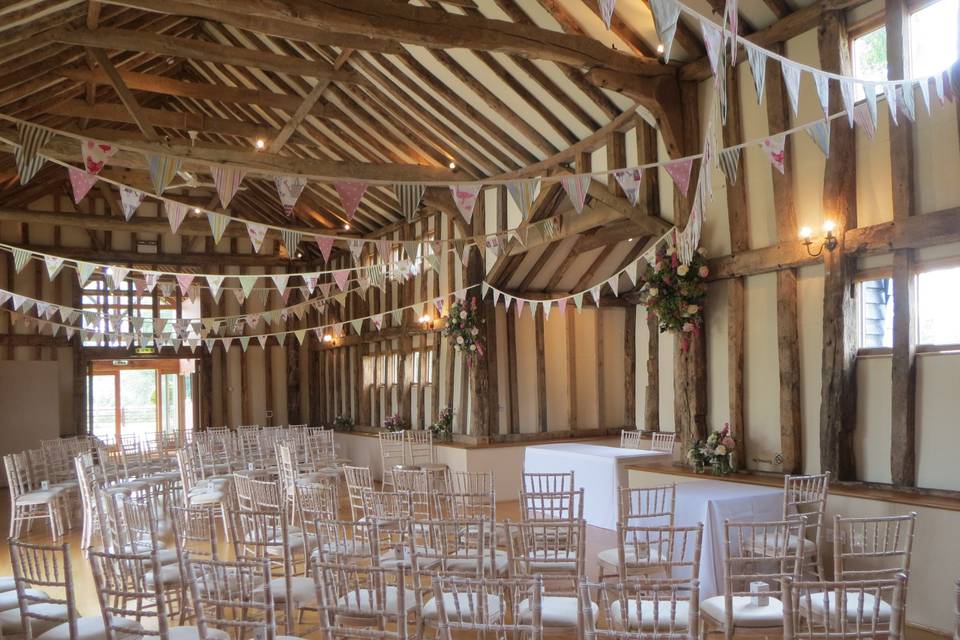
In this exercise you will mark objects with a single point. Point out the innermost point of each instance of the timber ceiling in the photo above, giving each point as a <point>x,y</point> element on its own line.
<point>400,86</point>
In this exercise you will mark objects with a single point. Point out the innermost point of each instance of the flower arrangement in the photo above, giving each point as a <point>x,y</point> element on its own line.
<point>395,423</point>
<point>715,452</point>
<point>343,423</point>
<point>463,328</point>
<point>676,292</point>
<point>442,429</point>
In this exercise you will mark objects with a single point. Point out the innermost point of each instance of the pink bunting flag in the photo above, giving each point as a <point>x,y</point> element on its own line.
<point>679,171</point>
<point>773,147</point>
<point>325,289</point>
<point>576,188</point>
<point>289,189</point>
<point>562,305</point>
<point>82,182</point>
<point>325,244</point>
<point>257,233</point>
<point>96,154</point>
<point>350,194</point>
<point>340,277</point>
<point>465,197</point>
<point>184,280</point>
<point>227,181</point>
<point>176,213</point>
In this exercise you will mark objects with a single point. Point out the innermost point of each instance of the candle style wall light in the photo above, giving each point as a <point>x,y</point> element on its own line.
<point>829,239</point>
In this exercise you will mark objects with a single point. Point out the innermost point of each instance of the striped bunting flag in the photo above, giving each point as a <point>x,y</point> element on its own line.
<point>409,196</point>
<point>218,224</point>
<point>606,11</point>
<point>524,192</point>
<point>176,212</point>
<point>576,188</point>
<point>32,139</point>
<point>227,180</point>
<point>20,259</point>
<point>162,170</point>
<point>54,264</point>
<point>290,240</point>
<point>730,163</point>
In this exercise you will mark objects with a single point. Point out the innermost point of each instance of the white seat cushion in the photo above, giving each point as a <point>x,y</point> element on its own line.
<point>37,497</point>
<point>680,616</point>
<point>11,623</point>
<point>500,560</point>
<point>467,606</point>
<point>349,547</point>
<point>303,590</point>
<point>7,583</point>
<point>807,547</point>
<point>8,600</point>
<point>555,611</point>
<point>818,602</point>
<point>169,575</point>
<point>611,557</point>
<point>204,497</point>
<point>91,628</point>
<point>361,602</point>
<point>193,633</point>
<point>745,613</point>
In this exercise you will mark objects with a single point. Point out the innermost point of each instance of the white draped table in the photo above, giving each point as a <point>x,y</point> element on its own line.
<point>598,469</point>
<point>714,501</point>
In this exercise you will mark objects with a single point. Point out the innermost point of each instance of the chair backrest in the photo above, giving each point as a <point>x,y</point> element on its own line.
<point>469,482</point>
<point>807,495</point>
<point>347,541</point>
<point>868,609</point>
<point>642,608</point>
<point>346,591</point>
<point>466,506</point>
<point>673,551</point>
<point>872,548</point>
<point>547,482</point>
<point>552,548</point>
<point>232,596</point>
<point>449,547</point>
<point>489,606</point>
<point>630,439</point>
<point>562,506</point>
<point>416,483</point>
<point>18,474</point>
<point>39,569</point>
<point>195,531</point>
<point>359,480</point>
<point>393,449</point>
<point>421,447</point>
<point>648,506</point>
<point>121,579</point>
<point>745,542</point>
<point>315,503</point>
<point>661,441</point>
<point>257,495</point>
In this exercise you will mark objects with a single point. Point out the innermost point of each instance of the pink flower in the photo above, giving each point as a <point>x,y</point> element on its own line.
<point>704,271</point>
<point>728,442</point>
<point>688,327</point>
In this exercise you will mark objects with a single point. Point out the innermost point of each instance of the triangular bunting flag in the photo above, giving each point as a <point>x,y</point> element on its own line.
<point>176,213</point>
<point>130,200</point>
<point>729,164</point>
<point>20,259</point>
<point>870,93</point>
<point>340,277</point>
<point>162,171</point>
<point>758,66</point>
<point>712,39</point>
<point>822,82</point>
<point>465,197</point>
<point>218,224</point>
<point>32,139</point>
<point>890,92</point>
<point>244,342</point>
<point>257,233</point>
<point>846,94</point>
<point>356,249</point>
<point>118,275</point>
<point>227,181</point>
<point>791,80</point>
<point>524,192</point>
<point>149,281</point>
<point>184,280</point>
<point>350,194</point>
<point>907,101</point>
<point>679,171</point>
<point>666,13</point>
<point>280,281</point>
<point>820,132</point>
<point>862,118</point>
<point>290,240</point>
<point>54,264</point>
<point>606,11</point>
<point>773,147</point>
<point>95,155</point>
<point>81,182</point>
<point>262,339</point>
<point>215,282</point>
<point>325,244</point>
<point>614,284</point>
<point>409,197</point>
<point>578,300</point>
<point>576,188</point>
<point>289,189</point>
<point>629,180</point>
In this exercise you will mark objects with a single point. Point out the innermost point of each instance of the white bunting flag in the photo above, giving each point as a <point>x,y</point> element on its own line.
<point>409,197</point>
<point>629,180</point>
<point>356,249</point>
<point>870,93</point>
<point>606,11</point>
<point>218,224</point>
<point>465,197</point>
<point>524,192</point>
<point>595,294</point>
<point>713,41</point>
<point>215,282</point>
<point>924,86</point>
<point>150,281</point>
<point>27,157</point>
<point>257,233</point>
<point>54,264</point>
<point>280,281</point>
<point>184,280</point>
<point>262,339</point>
<point>227,181</point>
<point>176,213</point>
<point>130,200</point>
<point>890,92</point>
<point>289,189</point>
<point>117,276</point>
<point>614,284</point>
<point>822,83</point>
<point>578,300</point>
<point>820,133</point>
<point>666,13</point>
<point>791,80</point>
<point>908,101</point>
<point>244,342</point>
<point>758,66</point>
<point>576,187</point>
<point>846,94</point>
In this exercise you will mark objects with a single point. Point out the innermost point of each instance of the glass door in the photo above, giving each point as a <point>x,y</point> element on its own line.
<point>103,413</point>
<point>139,407</point>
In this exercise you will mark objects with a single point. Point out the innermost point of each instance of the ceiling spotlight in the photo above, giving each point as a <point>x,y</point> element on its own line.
<point>260,144</point>
<point>346,227</point>
<point>660,48</point>
<point>452,165</point>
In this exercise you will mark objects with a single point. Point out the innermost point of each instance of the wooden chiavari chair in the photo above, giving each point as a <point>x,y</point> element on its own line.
<point>315,503</point>
<point>661,441</point>
<point>547,482</point>
<point>807,496</point>
<point>235,597</point>
<point>855,610</point>
<point>28,610</point>
<point>649,506</point>
<point>414,482</point>
<point>350,596</point>
<point>29,500</point>
<point>641,608</point>
<point>421,449</point>
<point>670,552</point>
<point>631,439</point>
<point>394,451</point>
<point>359,480</point>
<point>489,606</point>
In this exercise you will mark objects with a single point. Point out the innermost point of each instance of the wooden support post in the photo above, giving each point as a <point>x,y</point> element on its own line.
<point>601,389</point>
<point>513,382</point>
<point>630,368</point>
<point>903,395</point>
<point>293,380</point>
<point>651,405</point>
<point>838,378</point>
<point>364,385</point>
<point>616,159</point>
<point>538,330</point>
<point>483,373</point>
<point>788,326</point>
<point>404,378</point>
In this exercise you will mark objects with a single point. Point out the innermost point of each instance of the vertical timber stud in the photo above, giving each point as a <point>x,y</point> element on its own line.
<point>630,368</point>
<point>650,201</point>
<point>483,418</point>
<point>903,413</point>
<point>739,219</point>
<point>541,370</point>
<point>293,378</point>
<point>839,384</point>
<point>788,328</point>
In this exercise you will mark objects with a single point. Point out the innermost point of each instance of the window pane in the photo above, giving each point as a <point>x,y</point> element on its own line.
<point>870,58</point>
<point>938,306</point>
<point>933,37</point>
<point>876,313</point>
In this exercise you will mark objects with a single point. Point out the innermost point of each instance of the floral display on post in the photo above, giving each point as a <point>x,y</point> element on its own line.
<point>463,328</point>
<point>442,429</point>
<point>716,452</point>
<point>343,423</point>
<point>676,292</point>
<point>395,423</point>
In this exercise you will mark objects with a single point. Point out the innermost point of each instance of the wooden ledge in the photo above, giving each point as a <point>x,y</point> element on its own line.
<point>368,432</point>
<point>930,498</point>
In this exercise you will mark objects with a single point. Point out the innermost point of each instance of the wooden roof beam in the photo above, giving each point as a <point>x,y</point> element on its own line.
<point>123,91</point>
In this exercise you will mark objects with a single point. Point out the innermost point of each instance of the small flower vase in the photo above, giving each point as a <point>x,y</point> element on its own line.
<point>698,467</point>
<point>722,466</point>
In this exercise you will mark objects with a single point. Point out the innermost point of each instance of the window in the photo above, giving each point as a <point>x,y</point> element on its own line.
<point>937,310</point>
<point>416,367</point>
<point>422,358</point>
<point>870,57</point>
<point>125,303</point>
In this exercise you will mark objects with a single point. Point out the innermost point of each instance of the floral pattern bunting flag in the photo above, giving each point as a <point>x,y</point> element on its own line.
<point>576,188</point>
<point>130,200</point>
<point>465,197</point>
<point>257,233</point>
<point>215,282</point>
<point>629,180</point>
<point>81,182</point>
<point>666,14</point>
<point>289,189</point>
<point>773,147</point>
<point>350,195</point>
<point>227,181</point>
<point>325,244</point>
<point>95,155</point>
<point>712,40</point>
<point>27,157</point>
<point>176,213</point>
<point>679,171</point>
<point>218,224</point>
<point>162,171</point>
<point>524,192</point>
<point>409,197</point>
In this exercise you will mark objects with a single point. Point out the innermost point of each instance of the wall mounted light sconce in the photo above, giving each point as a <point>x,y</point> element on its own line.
<point>329,340</point>
<point>426,322</point>
<point>829,240</point>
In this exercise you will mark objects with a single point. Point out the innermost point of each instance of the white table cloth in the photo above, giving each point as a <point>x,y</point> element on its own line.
<point>714,501</point>
<point>597,468</point>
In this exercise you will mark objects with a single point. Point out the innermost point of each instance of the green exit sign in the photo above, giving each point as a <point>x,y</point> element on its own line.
<point>145,351</point>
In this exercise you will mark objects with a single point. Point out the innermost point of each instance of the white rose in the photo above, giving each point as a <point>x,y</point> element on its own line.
<point>692,309</point>
<point>654,292</point>
<point>671,251</point>
<point>459,339</point>
<point>474,331</point>
<point>720,450</point>
<point>463,315</point>
<point>682,270</point>
<point>473,347</point>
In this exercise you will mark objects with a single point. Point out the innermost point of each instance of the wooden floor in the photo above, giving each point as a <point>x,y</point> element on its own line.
<point>597,539</point>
